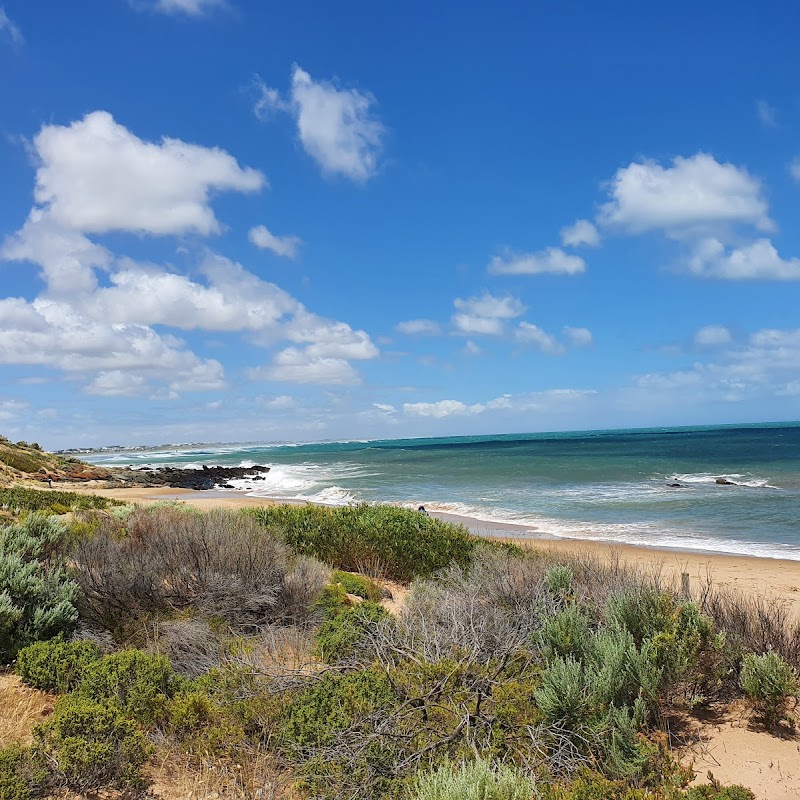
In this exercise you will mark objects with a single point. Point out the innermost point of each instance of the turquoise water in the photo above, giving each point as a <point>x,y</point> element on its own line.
<point>605,485</point>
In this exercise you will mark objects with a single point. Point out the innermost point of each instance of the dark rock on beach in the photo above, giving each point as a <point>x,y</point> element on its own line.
<point>205,478</point>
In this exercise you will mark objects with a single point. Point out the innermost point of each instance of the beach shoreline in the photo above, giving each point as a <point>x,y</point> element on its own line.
<point>755,576</point>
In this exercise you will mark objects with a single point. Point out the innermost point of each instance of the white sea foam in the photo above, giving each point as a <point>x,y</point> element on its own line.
<point>713,478</point>
<point>481,519</point>
<point>334,496</point>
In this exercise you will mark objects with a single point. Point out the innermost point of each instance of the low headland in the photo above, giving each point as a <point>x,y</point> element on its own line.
<point>186,642</point>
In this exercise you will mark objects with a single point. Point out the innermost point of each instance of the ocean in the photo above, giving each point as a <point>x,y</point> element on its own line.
<point>615,486</point>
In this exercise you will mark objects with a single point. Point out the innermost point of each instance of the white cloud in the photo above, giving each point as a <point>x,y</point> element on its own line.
<point>286,246</point>
<point>712,336</point>
<point>767,114</point>
<point>758,260</point>
<point>419,327</point>
<point>386,408</point>
<point>695,192</point>
<point>766,364</point>
<point>527,333</point>
<point>580,233</point>
<point>480,326</point>
<point>533,401</point>
<point>116,383</point>
<point>189,8</point>
<point>232,300</point>
<point>438,410</point>
<point>281,402</point>
<point>471,349</point>
<point>489,305</point>
<point>294,365</point>
<point>67,258</point>
<point>485,314</point>
<point>578,337</point>
<point>96,176</point>
<point>9,28</point>
<point>336,126</point>
<point>53,334</point>
<point>794,168</point>
<point>550,260</point>
<point>104,333</point>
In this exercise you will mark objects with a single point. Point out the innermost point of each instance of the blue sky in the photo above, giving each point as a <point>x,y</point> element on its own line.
<point>231,220</point>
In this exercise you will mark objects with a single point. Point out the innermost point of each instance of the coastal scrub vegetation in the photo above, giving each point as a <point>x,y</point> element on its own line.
<point>18,500</point>
<point>255,651</point>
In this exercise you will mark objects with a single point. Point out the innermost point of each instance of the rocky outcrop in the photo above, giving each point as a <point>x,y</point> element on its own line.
<point>203,479</point>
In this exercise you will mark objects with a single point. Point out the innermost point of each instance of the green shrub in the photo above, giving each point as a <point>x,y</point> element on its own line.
<point>91,745</point>
<point>137,684</point>
<point>37,597</point>
<point>565,633</point>
<point>339,635</point>
<point>333,703</point>
<point>714,792</point>
<point>204,724</point>
<point>23,774</point>
<point>558,579</point>
<point>618,673</point>
<point>590,786</point>
<point>768,681</point>
<point>56,665</point>
<point>474,780</point>
<point>20,499</point>
<point>403,543</point>
<point>357,585</point>
<point>563,696</point>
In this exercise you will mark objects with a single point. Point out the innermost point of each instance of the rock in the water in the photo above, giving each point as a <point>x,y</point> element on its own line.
<point>205,478</point>
<point>724,482</point>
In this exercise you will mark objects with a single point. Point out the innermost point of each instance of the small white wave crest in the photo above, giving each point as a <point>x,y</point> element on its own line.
<point>726,479</point>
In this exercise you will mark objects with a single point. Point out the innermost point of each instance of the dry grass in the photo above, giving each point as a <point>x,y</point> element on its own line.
<point>21,709</point>
<point>177,776</point>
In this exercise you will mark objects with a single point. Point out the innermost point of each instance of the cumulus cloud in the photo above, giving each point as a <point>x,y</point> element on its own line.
<point>758,260</point>
<point>96,176</point>
<point>486,313</point>
<point>527,333</point>
<point>9,29</point>
<point>336,126</point>
<point>550,260</point>
<point>286,246</point>
<point>471,349</point>
<point>294,365</point>
<point>712,336</point>
<point>53,334</point>
<point>419,327</point>
<point>580,233</point>
<point>694,192</point>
